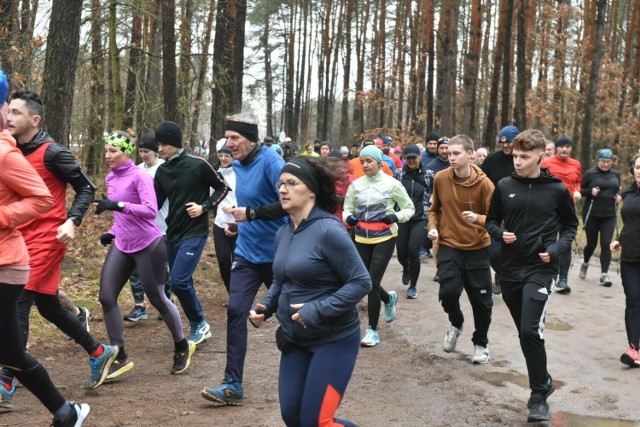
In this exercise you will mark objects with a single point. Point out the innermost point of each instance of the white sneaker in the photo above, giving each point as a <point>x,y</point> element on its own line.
<point>604,280</point>
<point>480,354</point>
<point>371,338</point>
<point>451,339</point>
<point>583,270</point>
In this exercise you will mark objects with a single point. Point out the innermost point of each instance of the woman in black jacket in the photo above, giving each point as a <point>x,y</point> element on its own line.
<point>630,263</point>
<point>601,188</point>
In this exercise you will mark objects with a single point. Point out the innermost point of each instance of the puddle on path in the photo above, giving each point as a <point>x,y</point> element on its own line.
<point>564,419</point>
<point>499,378</point>
<point>557,326</point>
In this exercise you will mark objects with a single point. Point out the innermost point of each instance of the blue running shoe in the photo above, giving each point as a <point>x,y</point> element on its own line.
<point>229,392</point>
<point>6,393</point>
<point>199,332</point>
<point>412,293</point>
<point>390,307</point>
<point>138,313</point>
<point>370,339</point>
<point>100,365</point>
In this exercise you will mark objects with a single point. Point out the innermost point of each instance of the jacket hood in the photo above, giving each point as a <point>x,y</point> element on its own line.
<point>545,177</point>
<point>39,138</point>
<point>315,215</point>
<point>477,176</point>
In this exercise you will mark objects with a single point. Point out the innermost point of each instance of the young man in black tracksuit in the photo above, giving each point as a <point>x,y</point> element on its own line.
<point>528,211</point>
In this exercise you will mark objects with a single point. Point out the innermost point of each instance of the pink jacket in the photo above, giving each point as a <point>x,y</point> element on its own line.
<point>23,196</point>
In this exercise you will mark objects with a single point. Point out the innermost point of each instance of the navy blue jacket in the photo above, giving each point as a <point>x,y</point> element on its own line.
<point>317,264</point>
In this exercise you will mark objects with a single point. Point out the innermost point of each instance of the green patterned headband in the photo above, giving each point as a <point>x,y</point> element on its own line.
<point>122,142</point>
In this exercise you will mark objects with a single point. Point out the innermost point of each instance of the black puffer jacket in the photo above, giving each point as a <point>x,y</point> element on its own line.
<point>418,184</point>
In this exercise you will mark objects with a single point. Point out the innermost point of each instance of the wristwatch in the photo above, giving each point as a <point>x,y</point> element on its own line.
<point>120,205</point>
<point>205,208</point>
<point>251,213</point>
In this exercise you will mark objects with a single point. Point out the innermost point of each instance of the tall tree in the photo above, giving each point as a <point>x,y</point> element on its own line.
<point>520,109</point>
<point>184,76</point>
<point>594,80</point>
<point>61,60</point>
<point>134,72</point>
<point>346,72</point>
<point>498,51</point>
<point>506,66</point>
<point>169,72</point>
<point>114,57</point>
<point>94,150</point>
<point>471,70</point>
<point>447,72</point>
<point>228,62</point>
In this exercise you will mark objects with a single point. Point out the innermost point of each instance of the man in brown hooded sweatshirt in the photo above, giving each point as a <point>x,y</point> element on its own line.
<point>461,197</point>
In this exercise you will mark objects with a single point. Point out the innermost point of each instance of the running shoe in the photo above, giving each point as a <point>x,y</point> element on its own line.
<point>84,318</point>
<point>631,357</point>
<point>390,307</point>
<point>538,412</point>
<point>229,392</point>
<point>100,365</point>
<point>76,418</point>
<point>405,277</point>
<point>371,338</point>
<point>480,355</point>
<point>496,289</point>
<point>119,367</point>
<point>563,287</point>
<point>182,359</point>
<point>605,281</point>
<point>451,339</point>
<point>200,332</point>
<point>412,293</point>
<point>6,395</point>
<point>138,313</point>
<point>542,396</point>
<point>583,270</point>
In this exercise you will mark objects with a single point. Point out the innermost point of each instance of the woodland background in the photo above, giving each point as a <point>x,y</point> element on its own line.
<point>333,69</point>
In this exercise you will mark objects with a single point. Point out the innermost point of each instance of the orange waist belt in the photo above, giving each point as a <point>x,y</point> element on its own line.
<point>374,226</point>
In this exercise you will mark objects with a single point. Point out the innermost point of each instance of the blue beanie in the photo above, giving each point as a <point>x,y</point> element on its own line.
<point>605,154</point>
<point>372,151</point>
<point>508,133</point>
<point>4,87</point>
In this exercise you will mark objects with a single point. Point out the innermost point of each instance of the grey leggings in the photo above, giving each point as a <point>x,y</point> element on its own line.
<point>116,271</point>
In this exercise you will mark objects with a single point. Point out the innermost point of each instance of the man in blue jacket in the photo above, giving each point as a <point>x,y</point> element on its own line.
<point>257,170</point>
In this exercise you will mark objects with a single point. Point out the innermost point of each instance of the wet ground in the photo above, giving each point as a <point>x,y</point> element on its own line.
<point>408,380</point>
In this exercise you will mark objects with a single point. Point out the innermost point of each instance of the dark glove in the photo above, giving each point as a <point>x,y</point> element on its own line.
<point>352,220</point>
<point>107,239</point>
<point>106,204</point>
<point>390,219</point>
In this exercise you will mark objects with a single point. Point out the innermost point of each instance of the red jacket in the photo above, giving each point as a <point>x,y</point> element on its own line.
<point>568,170</point>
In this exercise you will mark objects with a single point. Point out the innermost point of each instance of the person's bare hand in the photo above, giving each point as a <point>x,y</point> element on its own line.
<point>66,232</point>
<point>508,237</point>
<point>194,210</point>
<point>296,316</point>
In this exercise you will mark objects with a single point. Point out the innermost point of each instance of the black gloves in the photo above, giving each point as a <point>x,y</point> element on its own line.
<point>105,204</point>
<point>106,239</point>
<point>352,220</point>
<point>390,219</point>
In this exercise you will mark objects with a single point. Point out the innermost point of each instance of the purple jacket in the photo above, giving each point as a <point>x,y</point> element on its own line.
<point>134,226</point>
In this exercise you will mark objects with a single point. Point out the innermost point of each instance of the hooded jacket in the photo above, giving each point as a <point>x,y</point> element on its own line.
<point>23,197</point>
<point>418,184</point>
<point>307,270</point>
<point>450,199</point>
<point>630,233</point>
<point>535,210</point>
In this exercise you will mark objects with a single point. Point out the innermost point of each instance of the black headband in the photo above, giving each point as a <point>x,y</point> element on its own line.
<point>247,130</point>
<point>303,170</point>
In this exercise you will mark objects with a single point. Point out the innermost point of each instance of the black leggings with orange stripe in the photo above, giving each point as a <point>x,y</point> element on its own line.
<point>313,380</point>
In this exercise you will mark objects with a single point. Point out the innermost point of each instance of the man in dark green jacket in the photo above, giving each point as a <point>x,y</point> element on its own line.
<point>185,180</point>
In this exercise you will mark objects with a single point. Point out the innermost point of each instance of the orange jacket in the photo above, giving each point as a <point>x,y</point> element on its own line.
<point>23,197</point>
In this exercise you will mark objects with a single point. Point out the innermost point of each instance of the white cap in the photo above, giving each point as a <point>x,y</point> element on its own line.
<point>220,143</point>
<point>287,139</point>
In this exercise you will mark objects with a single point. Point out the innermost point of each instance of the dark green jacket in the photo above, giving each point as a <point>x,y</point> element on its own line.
<point>185,179</point>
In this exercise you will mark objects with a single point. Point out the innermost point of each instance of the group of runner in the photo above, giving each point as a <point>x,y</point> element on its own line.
<point>512,210</point>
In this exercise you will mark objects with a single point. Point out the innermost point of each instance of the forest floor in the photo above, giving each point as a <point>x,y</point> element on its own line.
<point>407,380</point>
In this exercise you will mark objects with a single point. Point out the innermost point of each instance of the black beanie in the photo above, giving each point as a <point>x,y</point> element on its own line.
<point>432,136</point>
<point>148,141</point>
<point>170,133</point>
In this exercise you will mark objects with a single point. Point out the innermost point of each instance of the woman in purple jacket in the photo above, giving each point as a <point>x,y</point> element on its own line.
<point>318,279</point>
<point>137,242</point>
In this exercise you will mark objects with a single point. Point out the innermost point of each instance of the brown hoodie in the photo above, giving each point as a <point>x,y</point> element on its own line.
<point>450,199</point>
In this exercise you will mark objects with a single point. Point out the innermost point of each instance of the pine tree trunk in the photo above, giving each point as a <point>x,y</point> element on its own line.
<point>520,118</point>
<point>506,67</point>
<point>490,130</point>
<point>94,147</point>
<point>202,74</point>
<point>169,72</point>
<point>471,70</point>
<point>184,67</point>
<point>345,134</point>
<point>134,73</point>
<point>60,67</point>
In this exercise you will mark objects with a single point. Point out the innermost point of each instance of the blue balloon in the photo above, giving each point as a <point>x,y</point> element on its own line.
<point>4,87</point>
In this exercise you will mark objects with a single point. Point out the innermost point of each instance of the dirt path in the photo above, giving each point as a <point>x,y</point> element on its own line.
<point>406,381</point>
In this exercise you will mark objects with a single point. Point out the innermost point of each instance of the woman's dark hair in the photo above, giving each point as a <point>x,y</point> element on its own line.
<point>327,175</point>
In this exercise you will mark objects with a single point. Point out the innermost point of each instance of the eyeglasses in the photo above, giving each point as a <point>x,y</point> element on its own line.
<point>289,184</point>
